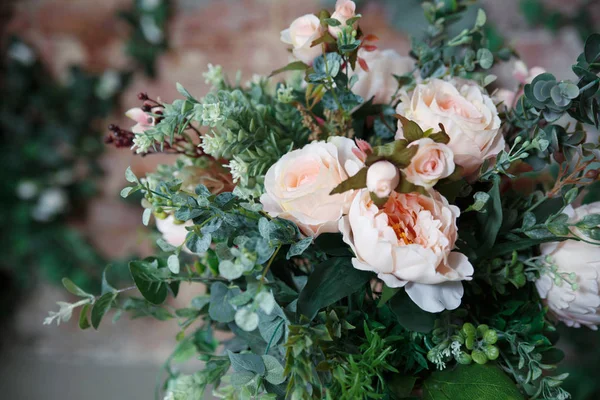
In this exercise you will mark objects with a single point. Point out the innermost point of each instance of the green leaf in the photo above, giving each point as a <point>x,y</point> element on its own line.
<point>410,315</point>
<point>481,18</point>
<point>150,286</point>
<point>183,91</point>
<point>274,374</point>
<point>220,309</point>
<point>411,130</point>
<point>386,294</point>
<point>470,382</point>
<point>485,58</point>
<point>592,49</point>
<point>332,280</point>
<point>298,248</point>
<point>402,385</point>
<point>357,181</point>
<point>101,307</point>
<point>198,244</point>
<point>571,195</point>
<point>173,263</point>
<point>332,22</point>
<point>333,245</point>
<point>146,216</point>
<point>293,66</point>
<point>130,176</point>
<point>84,322</point>
<point>106,287</point>
<point>247,362</point>
<point>491,220</point>
<point>74,289</point>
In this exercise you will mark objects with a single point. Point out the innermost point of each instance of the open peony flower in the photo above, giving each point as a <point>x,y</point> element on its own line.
<point>344,10</point>
<point>144,120</point>
<point>303,31</point>
<point>173,231</point>
<point>433,161</point>
<point>468,114</point>
<point>409,243</point>
<point>379,82</point>
<point>523,75</point>
<point>578,305</point>
<point>298,185</point>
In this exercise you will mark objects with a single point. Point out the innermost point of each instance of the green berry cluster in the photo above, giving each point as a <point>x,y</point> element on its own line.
<point>480,341</point>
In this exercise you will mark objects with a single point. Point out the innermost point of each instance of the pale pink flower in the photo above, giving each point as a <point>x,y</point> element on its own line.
<point>344,10</point>
<point>433,161</point>
<point>144,120</point>
<point>468,114</point>
<point>303,31</point>
<point>409,244</point>
<point>579,305</point>
<point>297,186</point>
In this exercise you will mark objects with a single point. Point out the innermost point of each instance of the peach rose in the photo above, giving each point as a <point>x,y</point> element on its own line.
<point>303,31</point>
<point>409,244</point>
<point>577,303</point>
<point>297,186</point>
<point>467,113</point>
<point>379,82</point>
<point>433,161</point>
<point>344,10</point>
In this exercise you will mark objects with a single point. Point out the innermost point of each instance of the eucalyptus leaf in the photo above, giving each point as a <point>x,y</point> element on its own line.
<point>332,280</point>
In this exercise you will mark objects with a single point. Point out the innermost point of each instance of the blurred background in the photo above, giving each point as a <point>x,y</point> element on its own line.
<point>69,68</point>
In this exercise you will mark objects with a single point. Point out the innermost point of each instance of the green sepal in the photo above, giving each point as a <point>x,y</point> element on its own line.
<point>441,136</point>
<point>412,131</point>
<point>357,181</point>
<point>379,201</point>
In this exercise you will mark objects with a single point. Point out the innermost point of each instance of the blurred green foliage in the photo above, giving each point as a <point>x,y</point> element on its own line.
<point>49,165</point>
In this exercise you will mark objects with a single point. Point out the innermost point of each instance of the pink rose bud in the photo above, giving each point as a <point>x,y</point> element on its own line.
<point>382,178</point>
<point>344,10</point>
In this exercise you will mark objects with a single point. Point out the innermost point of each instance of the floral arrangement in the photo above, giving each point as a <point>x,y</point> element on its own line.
<point>376,226</point>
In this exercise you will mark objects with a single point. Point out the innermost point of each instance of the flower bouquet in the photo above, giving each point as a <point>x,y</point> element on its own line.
<point>376,226</point>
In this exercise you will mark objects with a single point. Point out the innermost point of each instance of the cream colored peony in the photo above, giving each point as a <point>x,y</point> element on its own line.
<point>579,305</point>
<point>303,31</point>
<point>409,243</point>
<point>379,82</point>
<point>467,113</point>
<point>297,186</point>
<point>433,161</point>
<point>344,10</point>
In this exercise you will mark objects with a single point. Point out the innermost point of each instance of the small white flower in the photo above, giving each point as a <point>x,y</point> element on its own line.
<point>22,53</point>
<point>150,30</point>
<point>239,170</point>
<point>109,84</point>
<point>285,94</point>
<point>142,143</point>
<point>214,75</point>
<point>51,202</point>
<point>26,190</point>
